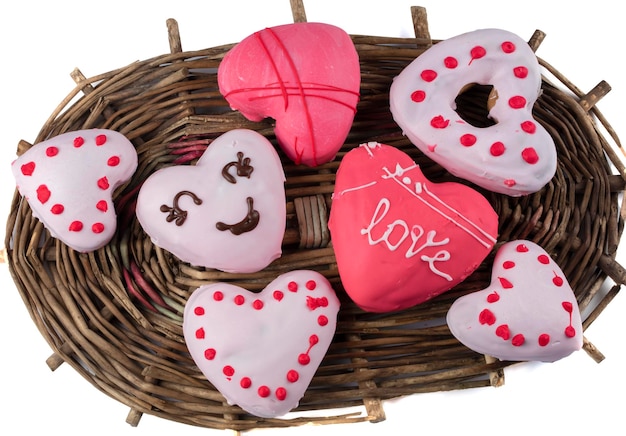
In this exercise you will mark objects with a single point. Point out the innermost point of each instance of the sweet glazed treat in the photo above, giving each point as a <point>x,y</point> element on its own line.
<point>528,313</point>
<point>226,212</point>
<point>304,75</point>
<point>399,239</point>
<point>261,350</point>
<point>516,156</point>
<point>68,181</point>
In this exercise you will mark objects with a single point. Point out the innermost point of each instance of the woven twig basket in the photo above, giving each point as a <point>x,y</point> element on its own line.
<point>114,315</point>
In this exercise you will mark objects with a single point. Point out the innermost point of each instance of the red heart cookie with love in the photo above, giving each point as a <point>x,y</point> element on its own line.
<point>226,212</point>
<point>528,313</point>
<point>306,76</point>
<point>261,350</point>
<point>400,239</point>
<point>68,181</point>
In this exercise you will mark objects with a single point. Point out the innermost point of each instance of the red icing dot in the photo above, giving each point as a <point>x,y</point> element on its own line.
<point>570,331</point>
<point>530,155</point>
<point>508,47</point>
<point>468,140</point>
<point>257,304</point>
<point>278,295</point>
<point>228,371</point>
<point>542,258</point>
<point>43,194</point>
<point>493,297</point>
<point>292,286</point>
<point>239,300</point>
<point>218,295</point>
<point>517,102</point>
<point>264,392</point>
<point>313,339</point>
<point>103,183</point>
<point>528,127</point>
<point>97,228</point>
<point>52,151</point>
<point>311,285</point>
<point>200,333</point>
<point>322,320</point>
<point>487,317</point>
<point>293,376</point>
<point>198,310</point>
<point>428,75</point>
<point>497,149</point>
<point>439,122</point>
<point>113,161</point>
<point>558,281</point>
<point>450,62</point>
<point>79,141</point>
<point>520,72</point>
<point>57,209</point>
<point>101,139</point>
<point>508,264</point>
<point>281,394</point>
<point>245,382</point>
<point>304,359</point>
<point>209,353</point>
<point>544,339</point>
<point>418,96</point>
<point>28,168</point>
<point>510,183</point>
<point>478,52</point>
<point>518,340</point>
<point>521,248</point>
<point>569,307</point>
<point>102,205</point>
<point>76,226</point>
<point>505,283</point>
<point>503,332</point>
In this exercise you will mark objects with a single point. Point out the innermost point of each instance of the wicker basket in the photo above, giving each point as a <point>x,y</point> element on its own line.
<point>114,315</point>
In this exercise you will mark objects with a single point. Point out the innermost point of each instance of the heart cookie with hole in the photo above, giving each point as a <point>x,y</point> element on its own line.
<point>261,350</point>
<point>69,180</point>
<point>400,239</point>
<point>528,313</point>
<point>306,76</point>
<point>227,211</point>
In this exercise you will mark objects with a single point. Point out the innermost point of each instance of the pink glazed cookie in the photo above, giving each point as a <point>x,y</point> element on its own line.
<point>399,239</point>
<point>304,75</point>
<point>68,181</point>
<point>528,313</point>
<point>516,156</point>
<point>226,212</point>
<point>261,350</point>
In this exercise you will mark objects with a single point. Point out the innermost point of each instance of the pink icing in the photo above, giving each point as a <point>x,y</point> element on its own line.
<point>233,351</point>
<point>65,179</point>
<point>515,156</point>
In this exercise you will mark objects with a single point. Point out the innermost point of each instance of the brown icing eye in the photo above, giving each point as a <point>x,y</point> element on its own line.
<point>242,167</point>
<point>175,213</point>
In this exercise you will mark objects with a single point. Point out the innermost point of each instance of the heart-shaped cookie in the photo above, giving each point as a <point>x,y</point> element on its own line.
<point>528,313</point>
<point>226,212</point>
<point>399,239</point>
<point>304,75</point>
<point>261,350</point>
<point>68,181</point>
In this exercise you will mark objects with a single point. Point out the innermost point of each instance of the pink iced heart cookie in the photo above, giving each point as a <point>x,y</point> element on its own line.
<point>261,350</point>
<point>516,155</point>
<point>226,212</point>
<point>304,75</point>
<point>68,181</point>
<point>399,239</point>
<point>528,313</point>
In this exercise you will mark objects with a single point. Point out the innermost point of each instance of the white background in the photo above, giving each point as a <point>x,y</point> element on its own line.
<point>42,42</point>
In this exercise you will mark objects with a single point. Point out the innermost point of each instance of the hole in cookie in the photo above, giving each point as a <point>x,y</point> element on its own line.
<point>474,102</point>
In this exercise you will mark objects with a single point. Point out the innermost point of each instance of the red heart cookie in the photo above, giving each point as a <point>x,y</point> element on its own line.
<point>68,182</point>
<point>304,75</point>
<point>528,313</point>
<point>399,239</point>
<point>261,350</point>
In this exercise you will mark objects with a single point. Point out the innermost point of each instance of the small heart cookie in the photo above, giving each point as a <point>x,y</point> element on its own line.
<point>528,313</point>
<point>226,212</point>
<point>68,181</point>
<point>261,350</point>
<point>304,75</point>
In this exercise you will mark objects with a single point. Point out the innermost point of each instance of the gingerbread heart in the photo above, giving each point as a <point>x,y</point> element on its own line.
<point>528,313</point>
<point>226,212</point>
<point>304,75</point>
<point>68,181</point>
<point>399,239</point>
<point>261,350</point>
